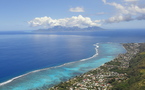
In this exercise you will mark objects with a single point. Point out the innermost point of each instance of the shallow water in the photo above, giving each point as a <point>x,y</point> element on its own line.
<point>48,77</point>
<point>30,61</point>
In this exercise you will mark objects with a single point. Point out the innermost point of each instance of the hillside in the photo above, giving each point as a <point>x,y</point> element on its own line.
<point>135,72</point>
<point>126,72</point>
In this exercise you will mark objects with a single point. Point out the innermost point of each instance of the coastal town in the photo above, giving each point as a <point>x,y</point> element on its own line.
<point>101,78</point>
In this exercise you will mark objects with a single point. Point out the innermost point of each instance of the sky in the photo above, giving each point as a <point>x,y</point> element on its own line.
<point>41,14</point>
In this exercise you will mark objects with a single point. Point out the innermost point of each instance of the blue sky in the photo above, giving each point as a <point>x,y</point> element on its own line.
<point>35,14</point>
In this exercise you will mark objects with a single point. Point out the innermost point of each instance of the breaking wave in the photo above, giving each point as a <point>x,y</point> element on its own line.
<point>15,78</point>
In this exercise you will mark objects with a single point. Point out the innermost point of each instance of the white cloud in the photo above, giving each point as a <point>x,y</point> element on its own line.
<point>118,18</point>
<point>77,9</point>
<point>128,12</point>
<point>48,22</point>
<point>104,1</point>
<point>136,9</point>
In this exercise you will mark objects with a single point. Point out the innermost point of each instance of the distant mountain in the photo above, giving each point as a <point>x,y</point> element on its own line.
<point>61,28</point>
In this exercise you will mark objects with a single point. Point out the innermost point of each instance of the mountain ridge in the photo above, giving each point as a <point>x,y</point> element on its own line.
<point>61,28</point>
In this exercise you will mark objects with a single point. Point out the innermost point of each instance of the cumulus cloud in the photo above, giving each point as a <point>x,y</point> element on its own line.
<point>128,12</point>
<point>48,22</point>
<point>77,9</point>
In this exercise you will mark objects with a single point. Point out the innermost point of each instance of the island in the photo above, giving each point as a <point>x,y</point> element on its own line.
<point>69,29</point>
<point>125,72</point>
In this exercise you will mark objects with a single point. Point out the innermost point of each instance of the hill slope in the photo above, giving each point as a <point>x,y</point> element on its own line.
<point>126,72</point>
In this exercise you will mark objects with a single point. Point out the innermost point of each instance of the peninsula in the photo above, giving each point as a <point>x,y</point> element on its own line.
<point>125,72</point>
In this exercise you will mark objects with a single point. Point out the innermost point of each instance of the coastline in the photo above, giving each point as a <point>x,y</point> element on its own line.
<point>8,81</point>
<point>65,71</point>
<point>13,82</point>
<point>101,77</point>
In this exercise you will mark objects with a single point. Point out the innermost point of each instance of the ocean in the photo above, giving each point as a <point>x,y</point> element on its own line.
<point>30,61</point>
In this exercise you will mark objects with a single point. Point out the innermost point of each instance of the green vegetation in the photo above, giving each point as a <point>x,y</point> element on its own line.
<point>136,75</point>
<point>114,63</point>
<point>126,72</point>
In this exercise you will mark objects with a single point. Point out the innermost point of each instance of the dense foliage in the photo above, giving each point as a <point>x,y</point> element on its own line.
<point>136,74</point>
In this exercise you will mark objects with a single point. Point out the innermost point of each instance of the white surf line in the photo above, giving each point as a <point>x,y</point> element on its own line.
<point>96,54</point>
<point>8,81</point>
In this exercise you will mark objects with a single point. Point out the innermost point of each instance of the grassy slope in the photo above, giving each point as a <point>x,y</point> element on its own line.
<point>136,75</point>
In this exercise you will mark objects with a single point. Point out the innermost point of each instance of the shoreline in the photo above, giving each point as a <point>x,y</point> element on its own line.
<point>17,77</point>
<point>98,78</point>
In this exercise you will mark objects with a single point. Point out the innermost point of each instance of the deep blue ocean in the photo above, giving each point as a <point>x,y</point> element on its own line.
<point>30,60</point>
